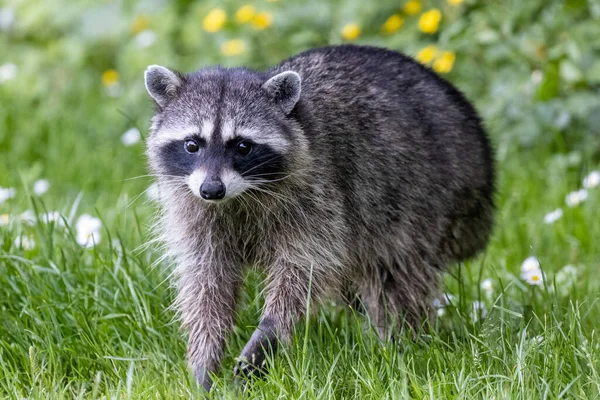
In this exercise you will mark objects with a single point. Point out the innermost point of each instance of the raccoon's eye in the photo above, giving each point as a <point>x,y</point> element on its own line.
<point>244,147</point>
<point>191,146</point>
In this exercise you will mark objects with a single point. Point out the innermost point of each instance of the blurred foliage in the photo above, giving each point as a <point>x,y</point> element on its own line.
<point>531,67</point>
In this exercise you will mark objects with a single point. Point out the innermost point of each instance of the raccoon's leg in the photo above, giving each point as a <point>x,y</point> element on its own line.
<point>286,302</point>
<point>400,297</point>
<point>207,297</point>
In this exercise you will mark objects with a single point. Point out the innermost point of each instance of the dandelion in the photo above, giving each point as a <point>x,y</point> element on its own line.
<point>110,77</point>
<point>455,2</point>
<point>139,24</point>
<point>444,63</point>
<point>478,310</point>
<point>575,198</point>
<point>88,231</point>
<point>262,20</point>
<point>4,219</point>
<point>214,20</point>
<point>145,39</point>
<point>131,137</point>
<point>233,47</point>
<point>24,242</point>
<point>28,217</point>
<point>592,180</point>
<point>487,287</point>
<point>6,194</point>
<point>8,72</point>
<point>350,31</point>
<point>41,186</point>
<point>427,54</point>
<point>553,216</point>
<point>245,14</point>
<point>412,7</point>
<point>429,22</point>
<point>392,24</point>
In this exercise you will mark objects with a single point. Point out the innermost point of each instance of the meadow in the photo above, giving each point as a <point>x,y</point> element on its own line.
<point>85,299</point>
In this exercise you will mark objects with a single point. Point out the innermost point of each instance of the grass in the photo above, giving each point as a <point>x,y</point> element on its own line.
<point>96,323</point>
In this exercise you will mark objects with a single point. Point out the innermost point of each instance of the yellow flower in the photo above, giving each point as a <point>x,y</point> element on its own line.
<point>444,63</point>
<point>233,47</point>
<point>430,21</point>
<point>245,14</point>
<point>110,77</point>
<point>427,54</point>
<point>214,20</point>
<point>140,23</point>
<point>392,24</point>
<point>350,31</point>
<point>262,20</point>
<point>412,7</point>
<point>455,2</point>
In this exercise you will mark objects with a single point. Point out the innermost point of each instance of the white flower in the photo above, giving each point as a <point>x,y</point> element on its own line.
<point>40,187</point>
<point>575,198</point>
<point>7,18</point>
<point>145,39</point>
<point>88,231</point>
<point>487,287</point>
<point>531,271</point>
<point>8,72</point>
<point>4,219</point>
<point>534,278</point>
<point>478,310</point>
<point>28,217</point>
<point>131,137</point>
<point>445,300</point>
<point>530,264</point>
<point>537,76</point>
<point>153,192</point>
<point>441,311</point>
<point>553,216</point>
<point>566,275</point>
<point>114,90</point>
<point>592,180</point>
<point>7,193</point>
<point>537,339</point>
<point>52,217</point>
<point>24,242</point>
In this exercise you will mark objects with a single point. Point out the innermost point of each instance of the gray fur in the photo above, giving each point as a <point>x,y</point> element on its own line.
<point>388,179</point>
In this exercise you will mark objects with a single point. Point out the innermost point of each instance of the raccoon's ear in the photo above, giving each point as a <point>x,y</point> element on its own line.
<point>162,84</point>
<point>284,89</point>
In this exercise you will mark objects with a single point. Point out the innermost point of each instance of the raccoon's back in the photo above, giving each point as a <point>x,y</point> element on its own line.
<point>401,145</point>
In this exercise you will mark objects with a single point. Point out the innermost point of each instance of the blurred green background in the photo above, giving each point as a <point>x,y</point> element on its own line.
<point>84,301</point>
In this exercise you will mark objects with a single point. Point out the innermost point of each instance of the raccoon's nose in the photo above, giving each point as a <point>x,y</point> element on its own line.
<point>212,190</point>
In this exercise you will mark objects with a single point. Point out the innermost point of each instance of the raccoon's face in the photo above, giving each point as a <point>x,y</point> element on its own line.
<point>221,132</point>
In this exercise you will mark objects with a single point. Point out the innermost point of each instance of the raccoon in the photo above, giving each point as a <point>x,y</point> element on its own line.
<point>342,170</point>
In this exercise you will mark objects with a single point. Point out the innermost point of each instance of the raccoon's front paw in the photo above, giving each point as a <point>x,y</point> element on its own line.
<point>246,369</point>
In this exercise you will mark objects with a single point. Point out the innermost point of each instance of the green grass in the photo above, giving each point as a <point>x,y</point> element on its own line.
<point>93,323</point>
<point>96,323</point>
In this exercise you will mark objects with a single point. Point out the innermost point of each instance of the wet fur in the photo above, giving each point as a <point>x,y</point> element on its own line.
<point>389,180</point>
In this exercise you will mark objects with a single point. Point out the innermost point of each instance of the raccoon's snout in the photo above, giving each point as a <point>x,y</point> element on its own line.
<point>212,190</point>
